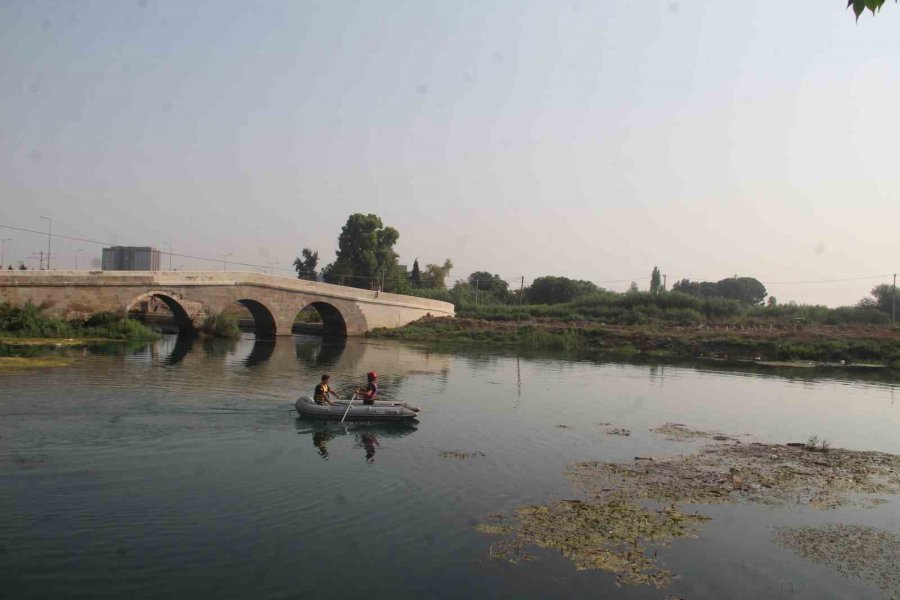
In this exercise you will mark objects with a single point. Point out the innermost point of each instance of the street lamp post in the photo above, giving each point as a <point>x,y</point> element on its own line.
<point>3,250</point>
<point>49,235</point>
<point>225,260</point>
<point>76,257</point>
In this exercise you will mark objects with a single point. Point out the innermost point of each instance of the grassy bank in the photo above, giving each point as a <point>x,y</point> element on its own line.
<point>222,325</point>
<point>29,324</point>
<point>821,343</point>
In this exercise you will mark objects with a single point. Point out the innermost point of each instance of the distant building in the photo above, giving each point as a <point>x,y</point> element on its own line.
<point>130,258</point>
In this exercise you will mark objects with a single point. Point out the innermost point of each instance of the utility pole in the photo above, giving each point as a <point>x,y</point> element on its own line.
<point>76,258</point>
<point>271,264</point>
<point>170,254</point>
<point>476,291</point>
<point>894,300</point>
<point>664,281</point>
<point>521,294</point>
<point>224,259</point>
<point>3,250</point>
<point>49,235</point>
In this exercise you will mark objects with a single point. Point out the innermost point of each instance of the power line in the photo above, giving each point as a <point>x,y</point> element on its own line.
<point>515,279</point>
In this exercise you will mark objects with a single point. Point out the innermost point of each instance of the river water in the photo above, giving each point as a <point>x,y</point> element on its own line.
<point>176,470</point>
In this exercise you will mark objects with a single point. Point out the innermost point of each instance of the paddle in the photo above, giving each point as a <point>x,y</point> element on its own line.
<point>352,398</point>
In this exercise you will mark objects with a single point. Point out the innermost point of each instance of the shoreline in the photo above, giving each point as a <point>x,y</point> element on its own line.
<point>805,347</point>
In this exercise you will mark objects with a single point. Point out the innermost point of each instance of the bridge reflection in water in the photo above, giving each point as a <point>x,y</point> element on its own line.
<point>297,361</point>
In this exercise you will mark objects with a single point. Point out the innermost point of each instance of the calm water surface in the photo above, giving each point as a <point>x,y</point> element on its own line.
<point>177,470</point>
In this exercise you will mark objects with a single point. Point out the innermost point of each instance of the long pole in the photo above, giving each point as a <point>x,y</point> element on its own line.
<point>49,235</point>
<point>521,293</point>
<point>76,258</point>
<point>894,300</point>
<point>225,260</point>
<point>170,254</point>
<point>3,250</point>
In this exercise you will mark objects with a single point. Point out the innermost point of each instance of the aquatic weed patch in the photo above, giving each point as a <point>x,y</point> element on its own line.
<point>676,432</point>
<point>615,528</point>
<point>763,473</point>
<point>460,454</point>
<point>614,536</point>
<point>15,363</point>
<point>851,550</point>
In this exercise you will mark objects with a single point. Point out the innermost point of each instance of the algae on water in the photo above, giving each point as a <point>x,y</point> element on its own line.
<point>614,536</point>
<point>613,529</point>
<point>851,550</point>
<point>460,454</point>
<point>763,473</point>
<point>14,363</point>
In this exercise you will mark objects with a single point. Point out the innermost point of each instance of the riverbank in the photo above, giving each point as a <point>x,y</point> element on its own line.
<point>822,344</point>
<point>29,326</point>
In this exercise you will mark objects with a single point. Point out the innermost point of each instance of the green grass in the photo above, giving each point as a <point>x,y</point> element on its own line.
<point>222,325</point>
<point>29,321</point>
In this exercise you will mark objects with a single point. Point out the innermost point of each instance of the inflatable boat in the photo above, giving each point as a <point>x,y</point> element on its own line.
<point>382,410</point>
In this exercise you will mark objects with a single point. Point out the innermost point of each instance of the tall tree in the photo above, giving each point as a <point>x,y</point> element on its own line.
<point>655,281</point>
<point>365,255</point>
<point>306,266</point>
<point>434,275</point>
<point>415,278</point>
<point>556,290</point>
<point>489,283</point>
<point>882,298</point>
<point>745,289</point>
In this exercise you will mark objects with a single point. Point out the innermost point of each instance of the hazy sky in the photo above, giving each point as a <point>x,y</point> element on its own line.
<point>587,139</point>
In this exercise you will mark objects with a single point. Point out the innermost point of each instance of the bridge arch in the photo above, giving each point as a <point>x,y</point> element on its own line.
<point>182,319</point>
<point>263,319</point>
<point>333,322</point>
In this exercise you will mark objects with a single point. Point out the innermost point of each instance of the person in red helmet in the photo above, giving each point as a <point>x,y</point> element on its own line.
<point>370,392</point>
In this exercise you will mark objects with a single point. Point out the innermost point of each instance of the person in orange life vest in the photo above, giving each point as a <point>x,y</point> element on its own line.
<point>370,393</point>
<point>323,390</point>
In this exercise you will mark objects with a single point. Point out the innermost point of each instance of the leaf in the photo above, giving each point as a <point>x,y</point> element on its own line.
<point>860,5</point>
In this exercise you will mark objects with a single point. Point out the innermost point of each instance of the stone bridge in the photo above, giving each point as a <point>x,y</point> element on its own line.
<point>192,295</point>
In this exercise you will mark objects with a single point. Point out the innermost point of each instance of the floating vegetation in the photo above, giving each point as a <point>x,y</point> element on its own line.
<point>564,426</point>
<point>618,431</point>
<point>851,550</point>
<point>614,530</point>
<point>14,363</point>
<point>460,454</point>
<point>614,536</point>
<point>763,473</point>
<point>676,432</point>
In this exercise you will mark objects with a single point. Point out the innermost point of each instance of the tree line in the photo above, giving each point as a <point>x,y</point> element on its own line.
<point>366,259</point>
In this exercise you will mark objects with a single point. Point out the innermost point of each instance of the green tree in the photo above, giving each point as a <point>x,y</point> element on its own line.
<point>772,301</point>
<point>306,266</point>
<point>434,275</point>
<point>655,281</point>
<point>556,290</point>
<point>488,283</point>
<point>860,5</point>
<point>745,289</point>
<point>882,298</point>
<point>415,278</point>
<point>365,255</point>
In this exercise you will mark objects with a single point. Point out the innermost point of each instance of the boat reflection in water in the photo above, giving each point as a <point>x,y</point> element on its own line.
<point>361,436</point>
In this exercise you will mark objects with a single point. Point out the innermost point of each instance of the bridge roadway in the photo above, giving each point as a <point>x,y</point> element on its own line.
<point>192,295</point>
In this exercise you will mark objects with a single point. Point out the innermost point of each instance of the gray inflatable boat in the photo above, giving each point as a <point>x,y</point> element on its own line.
<point>382,410</point>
